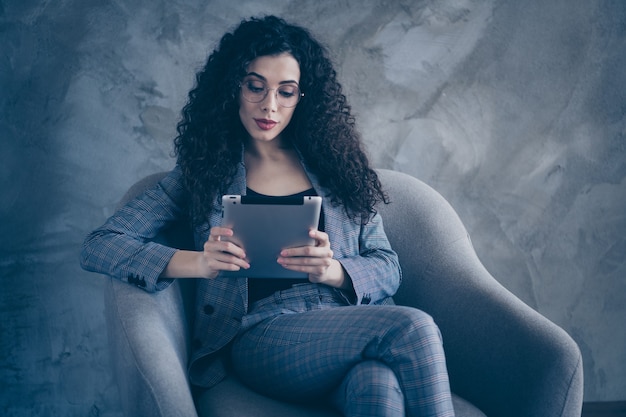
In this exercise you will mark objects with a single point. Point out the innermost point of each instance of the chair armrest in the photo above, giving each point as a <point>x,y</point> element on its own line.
<point>502,356</point>
<point>148,337</point>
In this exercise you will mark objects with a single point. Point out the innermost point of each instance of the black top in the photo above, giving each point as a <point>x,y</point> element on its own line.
<point>259,288</point>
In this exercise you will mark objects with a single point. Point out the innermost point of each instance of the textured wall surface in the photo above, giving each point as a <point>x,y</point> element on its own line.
<point>513,110</point>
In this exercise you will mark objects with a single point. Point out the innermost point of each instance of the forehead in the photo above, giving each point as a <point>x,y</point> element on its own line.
<point>276,68</point>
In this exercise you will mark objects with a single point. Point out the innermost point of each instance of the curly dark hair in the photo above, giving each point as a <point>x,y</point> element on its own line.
<point>211,135</point>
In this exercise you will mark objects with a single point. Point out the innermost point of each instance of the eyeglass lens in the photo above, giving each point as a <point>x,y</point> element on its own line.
<point>255,91</point>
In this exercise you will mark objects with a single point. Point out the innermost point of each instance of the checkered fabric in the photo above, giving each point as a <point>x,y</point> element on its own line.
<point>305,343</point>
<point>341,338</point>
<point>122,248</point>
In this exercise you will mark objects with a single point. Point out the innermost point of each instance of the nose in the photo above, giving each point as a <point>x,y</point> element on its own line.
<point>270,102</point>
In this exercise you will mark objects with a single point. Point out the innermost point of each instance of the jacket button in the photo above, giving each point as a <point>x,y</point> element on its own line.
<point>209,309</point>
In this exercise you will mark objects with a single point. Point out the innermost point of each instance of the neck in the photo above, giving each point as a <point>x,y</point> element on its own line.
<point>270,151</point>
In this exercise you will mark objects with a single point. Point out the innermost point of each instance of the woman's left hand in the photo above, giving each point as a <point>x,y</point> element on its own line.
<point>317,261</point>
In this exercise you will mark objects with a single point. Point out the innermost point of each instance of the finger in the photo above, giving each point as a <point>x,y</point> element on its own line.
<point>305,262</point>
<point>308,252</point>
<point>232,264</point>
<point>321,238</point>
<point>222,246</point>
<point>228,258</point>
<point>307,269</point>
<point>226,262</point>
<point>221,266</point>
<point>218,232</point>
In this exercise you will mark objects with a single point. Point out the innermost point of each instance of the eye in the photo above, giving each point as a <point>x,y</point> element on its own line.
<point>288,91</point>
<point>255,87</point>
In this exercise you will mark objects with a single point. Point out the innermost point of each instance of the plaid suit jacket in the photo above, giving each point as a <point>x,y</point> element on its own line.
<point>123,248</point>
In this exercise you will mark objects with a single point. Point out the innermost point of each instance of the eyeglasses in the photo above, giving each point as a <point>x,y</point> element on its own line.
<point>256,91</point>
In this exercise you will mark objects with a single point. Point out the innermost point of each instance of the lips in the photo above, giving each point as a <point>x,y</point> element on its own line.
<point>265,124</point>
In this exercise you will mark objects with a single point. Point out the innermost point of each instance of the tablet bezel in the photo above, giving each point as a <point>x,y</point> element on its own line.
<point>264,226</point>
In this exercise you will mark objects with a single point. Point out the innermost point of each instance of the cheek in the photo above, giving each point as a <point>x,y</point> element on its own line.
<point>244,112</point>
<point>289,115</point>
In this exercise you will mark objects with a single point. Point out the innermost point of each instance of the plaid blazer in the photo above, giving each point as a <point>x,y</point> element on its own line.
<point>123,248</point>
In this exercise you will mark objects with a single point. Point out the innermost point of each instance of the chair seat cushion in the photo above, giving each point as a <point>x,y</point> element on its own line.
<point>230,398</point>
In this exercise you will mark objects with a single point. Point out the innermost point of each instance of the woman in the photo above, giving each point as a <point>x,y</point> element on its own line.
<point>268,117</point>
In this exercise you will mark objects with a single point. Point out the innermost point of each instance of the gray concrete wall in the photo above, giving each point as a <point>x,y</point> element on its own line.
<point>513,110</point>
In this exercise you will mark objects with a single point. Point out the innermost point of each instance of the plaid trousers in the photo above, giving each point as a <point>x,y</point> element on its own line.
<point>306,343</point>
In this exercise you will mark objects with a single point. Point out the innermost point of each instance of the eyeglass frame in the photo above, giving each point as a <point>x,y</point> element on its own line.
<point>267,90</point>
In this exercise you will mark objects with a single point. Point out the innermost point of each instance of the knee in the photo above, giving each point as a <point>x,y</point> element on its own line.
<point>372,377</point>
<point>414,323</point>
<point>371,388</point>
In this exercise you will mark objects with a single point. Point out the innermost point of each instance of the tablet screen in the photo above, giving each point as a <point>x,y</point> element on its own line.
<point>264,226</point>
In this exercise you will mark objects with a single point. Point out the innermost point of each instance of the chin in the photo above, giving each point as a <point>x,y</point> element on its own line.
<point>265,136</point>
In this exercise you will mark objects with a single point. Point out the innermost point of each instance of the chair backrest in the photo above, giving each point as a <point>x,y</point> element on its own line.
<point>421,225</point>
<point>141,186</point>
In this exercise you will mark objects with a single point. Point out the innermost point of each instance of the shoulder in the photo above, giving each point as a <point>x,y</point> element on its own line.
<point>172,182</point>
<point>158,191</point>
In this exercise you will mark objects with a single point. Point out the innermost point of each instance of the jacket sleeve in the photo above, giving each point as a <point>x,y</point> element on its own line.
<point>122,247</point>
<point>375,272</point>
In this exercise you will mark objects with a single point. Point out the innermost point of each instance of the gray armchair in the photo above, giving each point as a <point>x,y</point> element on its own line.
<point>504,358</point>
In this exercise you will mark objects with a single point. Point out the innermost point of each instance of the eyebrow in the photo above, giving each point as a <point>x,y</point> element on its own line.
<point>254,74</point>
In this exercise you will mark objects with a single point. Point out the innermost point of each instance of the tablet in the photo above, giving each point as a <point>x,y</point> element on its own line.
<point>264,226</point>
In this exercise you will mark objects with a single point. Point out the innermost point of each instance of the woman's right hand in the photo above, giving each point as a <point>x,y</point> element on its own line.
<point>221,255</point>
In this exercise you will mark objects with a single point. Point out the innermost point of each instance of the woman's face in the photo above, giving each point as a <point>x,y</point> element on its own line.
<point>279,75</point>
